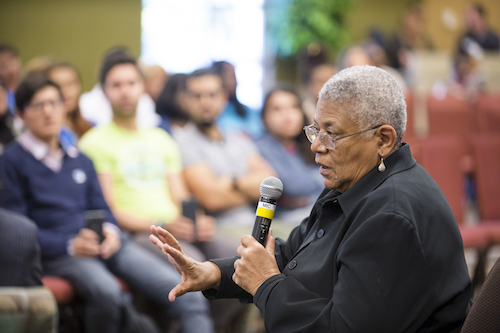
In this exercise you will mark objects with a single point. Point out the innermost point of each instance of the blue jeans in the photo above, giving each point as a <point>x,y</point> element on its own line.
<point>94,282</point>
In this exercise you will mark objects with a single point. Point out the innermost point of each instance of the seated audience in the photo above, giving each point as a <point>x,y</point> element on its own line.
<point>68,79</point>
<point>287,150</point>
<point>140,174</point>
<point>56,186</point>
<point>235,116</point>
<point>222,169</point>
<point>139,169</point>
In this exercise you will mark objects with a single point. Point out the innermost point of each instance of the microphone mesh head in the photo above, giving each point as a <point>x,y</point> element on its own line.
<point>271,188</point>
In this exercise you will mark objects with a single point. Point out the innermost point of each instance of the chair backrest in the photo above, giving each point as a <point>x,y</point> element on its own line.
<point>484,315</point>
<point>442,157</point>
<point>487,150</point>
<point>488,113</point>
<point>450,116</point>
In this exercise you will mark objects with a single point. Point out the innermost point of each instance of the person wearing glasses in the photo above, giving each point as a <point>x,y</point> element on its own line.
<point>380,251</point>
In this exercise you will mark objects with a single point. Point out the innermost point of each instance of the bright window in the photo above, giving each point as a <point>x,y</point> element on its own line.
<point>185,35</point>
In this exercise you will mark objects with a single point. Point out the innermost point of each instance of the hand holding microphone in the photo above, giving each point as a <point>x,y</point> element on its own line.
<point>257,264</point>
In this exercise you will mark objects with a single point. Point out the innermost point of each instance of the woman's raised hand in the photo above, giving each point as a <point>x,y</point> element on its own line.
<point>196,276</point>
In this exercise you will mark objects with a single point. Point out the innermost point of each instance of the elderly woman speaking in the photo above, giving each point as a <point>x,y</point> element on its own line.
<point>380,251</point>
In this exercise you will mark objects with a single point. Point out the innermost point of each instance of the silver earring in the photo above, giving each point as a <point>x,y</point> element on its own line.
<point>381,166</point>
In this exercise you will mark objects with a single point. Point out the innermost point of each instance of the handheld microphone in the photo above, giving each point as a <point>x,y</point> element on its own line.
<point>271,189</point>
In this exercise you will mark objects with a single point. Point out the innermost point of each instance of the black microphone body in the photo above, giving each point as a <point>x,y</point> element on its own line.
<point>270,191</point>
<point>263,218</point>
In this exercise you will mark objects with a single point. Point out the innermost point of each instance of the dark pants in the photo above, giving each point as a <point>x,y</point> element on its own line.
<point>94,281</point>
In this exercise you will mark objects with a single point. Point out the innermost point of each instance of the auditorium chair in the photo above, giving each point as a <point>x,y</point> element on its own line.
<point>443,158</point>
<point>451,116</point>
<point>487,110</point>
<point>487,152</point>
<point>70,309</point>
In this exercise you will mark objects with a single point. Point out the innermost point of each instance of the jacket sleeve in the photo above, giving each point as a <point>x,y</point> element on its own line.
<point>381,285</point>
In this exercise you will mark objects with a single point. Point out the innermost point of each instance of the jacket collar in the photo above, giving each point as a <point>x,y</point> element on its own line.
<point>398,161</point>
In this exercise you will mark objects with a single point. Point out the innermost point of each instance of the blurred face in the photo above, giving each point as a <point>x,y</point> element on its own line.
<point>283,116</point>
<point>357,57</point>
<point>319,76</point>
<point>10,68</point>
<point>123,87</point>
<point>473,20</point>
<point>205,99</point>
<point>70,85</point>
<point>45,113</point>
<point>352,157</point>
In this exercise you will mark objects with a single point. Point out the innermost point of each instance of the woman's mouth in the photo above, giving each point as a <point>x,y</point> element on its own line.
<point>323,168</point>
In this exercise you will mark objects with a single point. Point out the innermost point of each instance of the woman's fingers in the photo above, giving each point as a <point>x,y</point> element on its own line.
<point>165,237</point>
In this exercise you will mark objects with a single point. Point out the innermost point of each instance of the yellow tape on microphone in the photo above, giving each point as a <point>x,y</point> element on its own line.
<point>266,210</point>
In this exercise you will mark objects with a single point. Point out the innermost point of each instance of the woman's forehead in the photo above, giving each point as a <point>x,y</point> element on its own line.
<point>330,113</point>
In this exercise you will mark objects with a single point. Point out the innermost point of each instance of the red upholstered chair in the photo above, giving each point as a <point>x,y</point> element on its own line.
<point>487,111</point>
<point>443,158</point>
<point>61,288</point>
<point>487,149</point>
<point>450,116</point>
<point>69,311</point>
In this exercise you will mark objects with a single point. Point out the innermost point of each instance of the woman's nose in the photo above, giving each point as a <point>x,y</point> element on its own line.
<point>317,146</point>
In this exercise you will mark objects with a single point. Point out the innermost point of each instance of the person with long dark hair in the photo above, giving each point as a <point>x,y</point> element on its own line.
<point>286,148</point>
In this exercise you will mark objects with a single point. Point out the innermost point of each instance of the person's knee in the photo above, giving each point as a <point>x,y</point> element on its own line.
<point>107,296</point>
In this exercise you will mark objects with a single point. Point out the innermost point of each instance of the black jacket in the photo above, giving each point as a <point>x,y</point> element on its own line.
<point>385,256</point>
<point>20,263</point>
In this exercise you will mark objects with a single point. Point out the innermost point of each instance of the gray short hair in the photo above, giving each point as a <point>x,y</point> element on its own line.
<point>370,95</point>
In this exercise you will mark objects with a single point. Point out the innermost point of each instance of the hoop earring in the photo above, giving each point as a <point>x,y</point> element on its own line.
<point>381,166</point>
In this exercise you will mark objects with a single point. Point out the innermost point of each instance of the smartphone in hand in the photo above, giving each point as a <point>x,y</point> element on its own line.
<point>189,208</point>
<point>94,220</point>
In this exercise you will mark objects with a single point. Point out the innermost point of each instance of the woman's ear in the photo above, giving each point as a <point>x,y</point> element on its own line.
<point>388,137</point>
